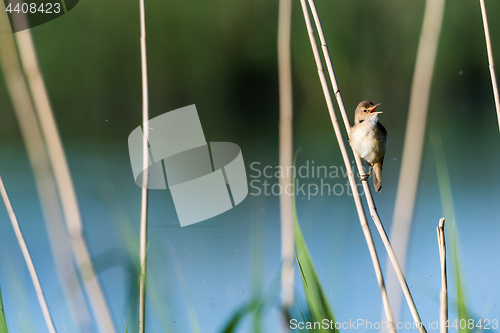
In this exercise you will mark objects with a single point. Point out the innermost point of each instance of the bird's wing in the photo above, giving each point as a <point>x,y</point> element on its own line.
<point>382,128</point>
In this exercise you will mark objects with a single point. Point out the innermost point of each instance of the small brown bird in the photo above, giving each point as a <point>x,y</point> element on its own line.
<point>369,140</point>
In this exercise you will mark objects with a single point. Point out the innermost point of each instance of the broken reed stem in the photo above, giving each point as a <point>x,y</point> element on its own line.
<point>336,126</point>
<point>27,258</point>
<point>64,182</point>
<point>490,60</point>
<point>145,174</point>
<point>414,137</point>
<point>443,295</point>
<point>285,153</point>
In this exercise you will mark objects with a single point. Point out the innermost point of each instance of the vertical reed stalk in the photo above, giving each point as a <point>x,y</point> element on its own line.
<point>336,126</point>
<point>145,174</point>
<point>490,60</point>
<point>414,138</point>
<point>285,154</point>
<point>27,258</point>
<point>443,295</point>
<point>64,182</point>
<point>359,163</point>
<point>45,184</point>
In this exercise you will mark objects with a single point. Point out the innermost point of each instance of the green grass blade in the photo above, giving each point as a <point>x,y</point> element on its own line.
<point>126,230</point>
<point>463,313</point>
<point>3,322</point>
<point>254,306</point>
<point>15,282</point>
<point>257,255</point>
<point>184,288</point>
<point>300,311</point>
<point>236,318</point>
<point>317,302</point>
<point>449,213</point>
<point>134,298</point>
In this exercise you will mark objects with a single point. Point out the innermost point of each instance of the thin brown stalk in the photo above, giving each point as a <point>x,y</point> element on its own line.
<point>490,60</point>
<point>44,181</point>
<point>286,152</point>
<point>145,175</point>
<point>343,149</point>
<point>27,258</point>
<point>443,295</point>
<point>64,182</point>
<point>414,138</point>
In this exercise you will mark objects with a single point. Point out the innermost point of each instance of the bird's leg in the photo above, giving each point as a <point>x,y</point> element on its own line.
<point>366,175</point>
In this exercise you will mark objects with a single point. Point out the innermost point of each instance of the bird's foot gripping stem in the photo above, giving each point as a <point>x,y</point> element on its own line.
<point>365,176</point>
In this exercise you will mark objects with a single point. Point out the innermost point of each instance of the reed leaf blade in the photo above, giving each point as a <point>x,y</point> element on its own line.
<point>3,322</point>
<point>317,302</point>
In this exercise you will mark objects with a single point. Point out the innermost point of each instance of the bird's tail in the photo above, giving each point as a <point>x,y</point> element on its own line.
<point>377,176</point>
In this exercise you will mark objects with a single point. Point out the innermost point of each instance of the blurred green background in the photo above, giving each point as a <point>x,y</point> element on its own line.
<point>221,56</point>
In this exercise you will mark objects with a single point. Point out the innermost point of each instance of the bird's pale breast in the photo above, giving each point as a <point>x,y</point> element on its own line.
<point>367,141</point>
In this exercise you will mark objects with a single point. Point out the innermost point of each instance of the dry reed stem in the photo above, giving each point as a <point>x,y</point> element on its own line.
<point>359,163</point>
<point>443,295</point>
<point>64,182</point>
<point>414,138</point>
<point>145,176</point>
<point>490,60</point>
<point>44,181</point>
<point>27,258</point>
<point>285,153</point>
<point>336,126</point>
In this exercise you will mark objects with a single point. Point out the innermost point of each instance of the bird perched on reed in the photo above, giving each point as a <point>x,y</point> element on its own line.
<point>369,140</point>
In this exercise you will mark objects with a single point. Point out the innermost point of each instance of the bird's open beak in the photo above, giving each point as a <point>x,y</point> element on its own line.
<point>372,110</point>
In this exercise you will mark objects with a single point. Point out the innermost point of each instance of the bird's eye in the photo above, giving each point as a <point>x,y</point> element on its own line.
<point>364,110</point>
